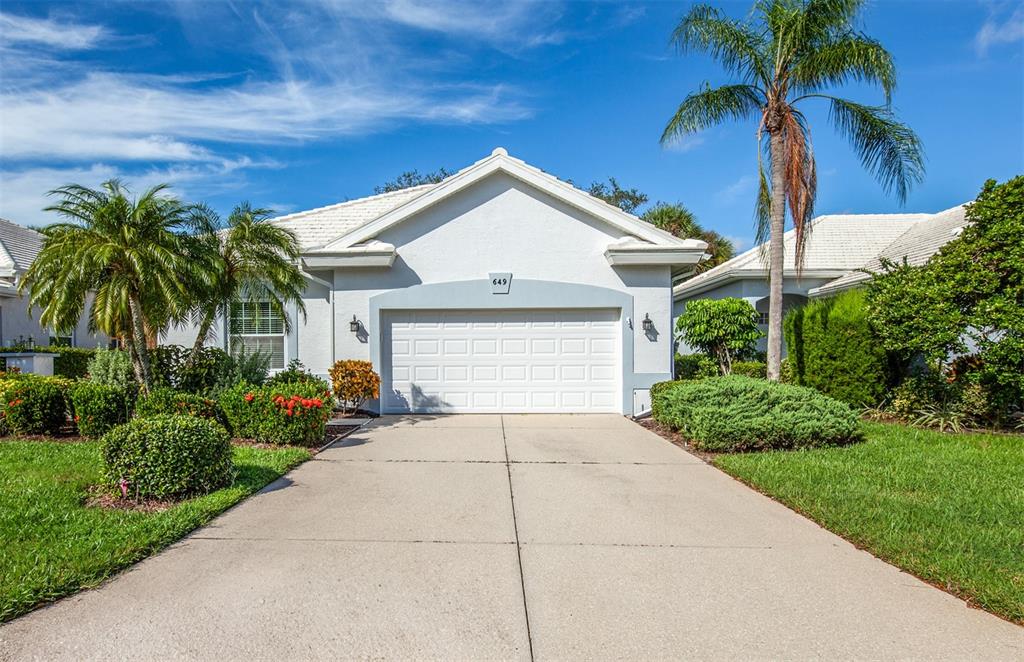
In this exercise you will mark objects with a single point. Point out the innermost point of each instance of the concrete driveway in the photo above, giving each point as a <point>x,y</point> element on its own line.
<point>478,537</point>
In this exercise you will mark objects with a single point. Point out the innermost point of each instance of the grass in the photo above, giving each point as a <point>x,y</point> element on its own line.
<point>947,508</point>
<point>53,545</point>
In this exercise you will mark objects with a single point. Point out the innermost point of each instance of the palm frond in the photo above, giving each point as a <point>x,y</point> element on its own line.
<point>710,107</point>
<point>739,49</point>
<point>891,151</point>
<point>850,58</point>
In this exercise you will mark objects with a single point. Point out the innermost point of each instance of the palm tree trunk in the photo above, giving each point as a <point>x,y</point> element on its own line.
<point>142,371</point>
<point>776,254</point>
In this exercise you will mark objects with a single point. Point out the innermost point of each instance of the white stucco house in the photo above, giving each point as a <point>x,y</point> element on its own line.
<point>840,250</point>
<point>18,248</point>
<point>499,289</point>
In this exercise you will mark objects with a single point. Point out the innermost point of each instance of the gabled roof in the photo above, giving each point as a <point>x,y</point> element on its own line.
<point>352,223</point>
<point>916,245</point>
<point>837,244</point>
<point>18,247</point>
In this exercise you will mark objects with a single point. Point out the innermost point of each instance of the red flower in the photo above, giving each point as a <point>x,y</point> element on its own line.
<point>249,397</point>
<point>317,402</point>
<point>288,412</point>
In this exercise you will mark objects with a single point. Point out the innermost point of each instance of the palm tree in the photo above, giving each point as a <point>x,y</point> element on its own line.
<point>787,53</point>
<point>680,222</point>
<point>136,256</point>
<point>255,261</point>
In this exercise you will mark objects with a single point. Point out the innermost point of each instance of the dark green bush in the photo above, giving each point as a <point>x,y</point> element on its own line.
<point>97,407</point>
<point>172,368</point>
<point>833,349</point>
<point>294,413</point>
<point>71,362</point>
<point>297,374</point>
<point>695,366</point>
<point>36,405</point>
<point>163,400</point>
<point>750,369</point>
<point>167,457</point>
<point>737,413</point>
<point>657,391</point>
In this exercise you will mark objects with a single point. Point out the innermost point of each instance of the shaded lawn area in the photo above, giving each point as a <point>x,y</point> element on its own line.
<point>52,545</point>
<point>947,508</point>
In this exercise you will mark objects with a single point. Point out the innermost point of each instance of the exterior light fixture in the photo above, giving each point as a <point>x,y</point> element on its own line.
<point>648,322</point>
<point>353,326</point>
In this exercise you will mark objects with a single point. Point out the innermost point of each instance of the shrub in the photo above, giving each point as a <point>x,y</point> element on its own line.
<point>166,457</point>
<point>756,369</point>
<point>71,362</point>
<point>97,407</point>
<point>172,368</point>
<point>294,413</point>
<point>836,350</point>
<point>36,405</point>
<point>296,373</point>
<point>354,383</point>
<point>695,366</point>
<point>112,367</point>
<point>722,328</point>
<point>737,413</point>
<point>166,401</point>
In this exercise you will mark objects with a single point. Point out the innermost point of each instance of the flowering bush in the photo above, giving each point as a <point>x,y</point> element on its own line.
<point>354,383</point>
<point>294,413</point>
<point>98,407</point>
<point>35,405</point>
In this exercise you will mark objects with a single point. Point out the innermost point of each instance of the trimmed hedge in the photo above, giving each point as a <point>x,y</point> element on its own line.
<point>167,401</point>
<point>293,413</point>
<point>70,362</point>
<point>35,405</point>
<point>97,408</point>
<point>695,366</point>
<point>737,413</point>
<point>832,348</point>
<point>756,369</point>
<point>166,457</point>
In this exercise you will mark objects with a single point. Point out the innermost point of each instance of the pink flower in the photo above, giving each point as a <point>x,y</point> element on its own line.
<point>124,488</point>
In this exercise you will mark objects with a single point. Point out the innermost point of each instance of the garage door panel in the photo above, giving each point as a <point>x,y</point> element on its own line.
<point>515,361</point>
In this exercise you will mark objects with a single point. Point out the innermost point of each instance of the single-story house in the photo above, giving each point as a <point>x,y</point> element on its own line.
<point>18,248</point>
<point>499,289</point>
<point>840,248</point>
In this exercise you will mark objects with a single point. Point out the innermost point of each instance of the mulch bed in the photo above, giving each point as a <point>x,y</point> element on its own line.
<point>101,498</point>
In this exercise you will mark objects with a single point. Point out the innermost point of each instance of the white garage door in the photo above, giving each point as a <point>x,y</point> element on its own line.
<point>476,361</point>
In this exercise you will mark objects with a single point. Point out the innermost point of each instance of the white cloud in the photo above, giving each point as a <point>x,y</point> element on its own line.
<point>49,32</point>
<point>1000,29</point>
<point>685,143</point>
<point>742,187</point>
<point>740,243</point>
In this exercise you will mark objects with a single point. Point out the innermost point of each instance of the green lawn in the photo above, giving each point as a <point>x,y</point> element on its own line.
<point>947,508</point>
<point>52,545</point>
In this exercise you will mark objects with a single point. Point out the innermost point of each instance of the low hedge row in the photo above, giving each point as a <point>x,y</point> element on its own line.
<point>97,408</point>
<point>290,413</point>
<point>70,362</point>
<point>738,413</point>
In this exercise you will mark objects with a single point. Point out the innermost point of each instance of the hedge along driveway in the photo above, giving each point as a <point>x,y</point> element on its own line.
<point>54,545</point>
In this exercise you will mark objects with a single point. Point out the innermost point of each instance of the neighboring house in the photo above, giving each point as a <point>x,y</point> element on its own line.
<point>18,248</point>
<point>500,289</point>
<point>838,248</point>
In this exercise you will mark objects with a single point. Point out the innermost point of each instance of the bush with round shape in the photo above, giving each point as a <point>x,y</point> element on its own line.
<point>168,401</point>
<point>36,405</point>
<point>97,407</point>
<point>695,366</point>
<point>735,413</point>
<point>721,328</point>
<point>292,414</point>
<point>354,383</point>
<point>167,457</point>
<point>756,369</point>
<point>296,373</point>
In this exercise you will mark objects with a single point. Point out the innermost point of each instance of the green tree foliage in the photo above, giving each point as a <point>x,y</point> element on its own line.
<point>722,328</point>
<point>785,54</point>
<point>139,256</point>
<point>969,297</point>
<point>250,260</point>
<point>832,344</point>
<point>680,222</point>
<point>628,200</point>
<point>411,178</point>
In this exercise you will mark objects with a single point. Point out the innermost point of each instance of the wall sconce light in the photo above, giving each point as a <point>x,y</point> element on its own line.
<point>648,322</point>
<point>353,326</point>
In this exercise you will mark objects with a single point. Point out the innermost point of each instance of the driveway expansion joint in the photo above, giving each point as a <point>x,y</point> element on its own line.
<point>519,548</point>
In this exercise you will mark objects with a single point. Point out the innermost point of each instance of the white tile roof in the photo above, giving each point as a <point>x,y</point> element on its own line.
<point>316,227</point>
<point>18,246</point>
<point>916,245</point>
<point>837,242</point>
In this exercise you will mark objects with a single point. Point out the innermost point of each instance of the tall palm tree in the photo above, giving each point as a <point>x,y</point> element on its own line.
<point>255,261</point>
<point>680,221</point>
<point>137,257</point>
<point>788,53</point>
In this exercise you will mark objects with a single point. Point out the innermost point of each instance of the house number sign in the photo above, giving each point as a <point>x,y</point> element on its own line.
<point>500,282</point>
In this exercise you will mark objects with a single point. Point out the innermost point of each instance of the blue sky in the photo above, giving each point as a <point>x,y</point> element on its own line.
<point>302,104</point>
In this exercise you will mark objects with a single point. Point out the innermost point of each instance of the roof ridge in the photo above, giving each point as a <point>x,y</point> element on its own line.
<point>336,205</point>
